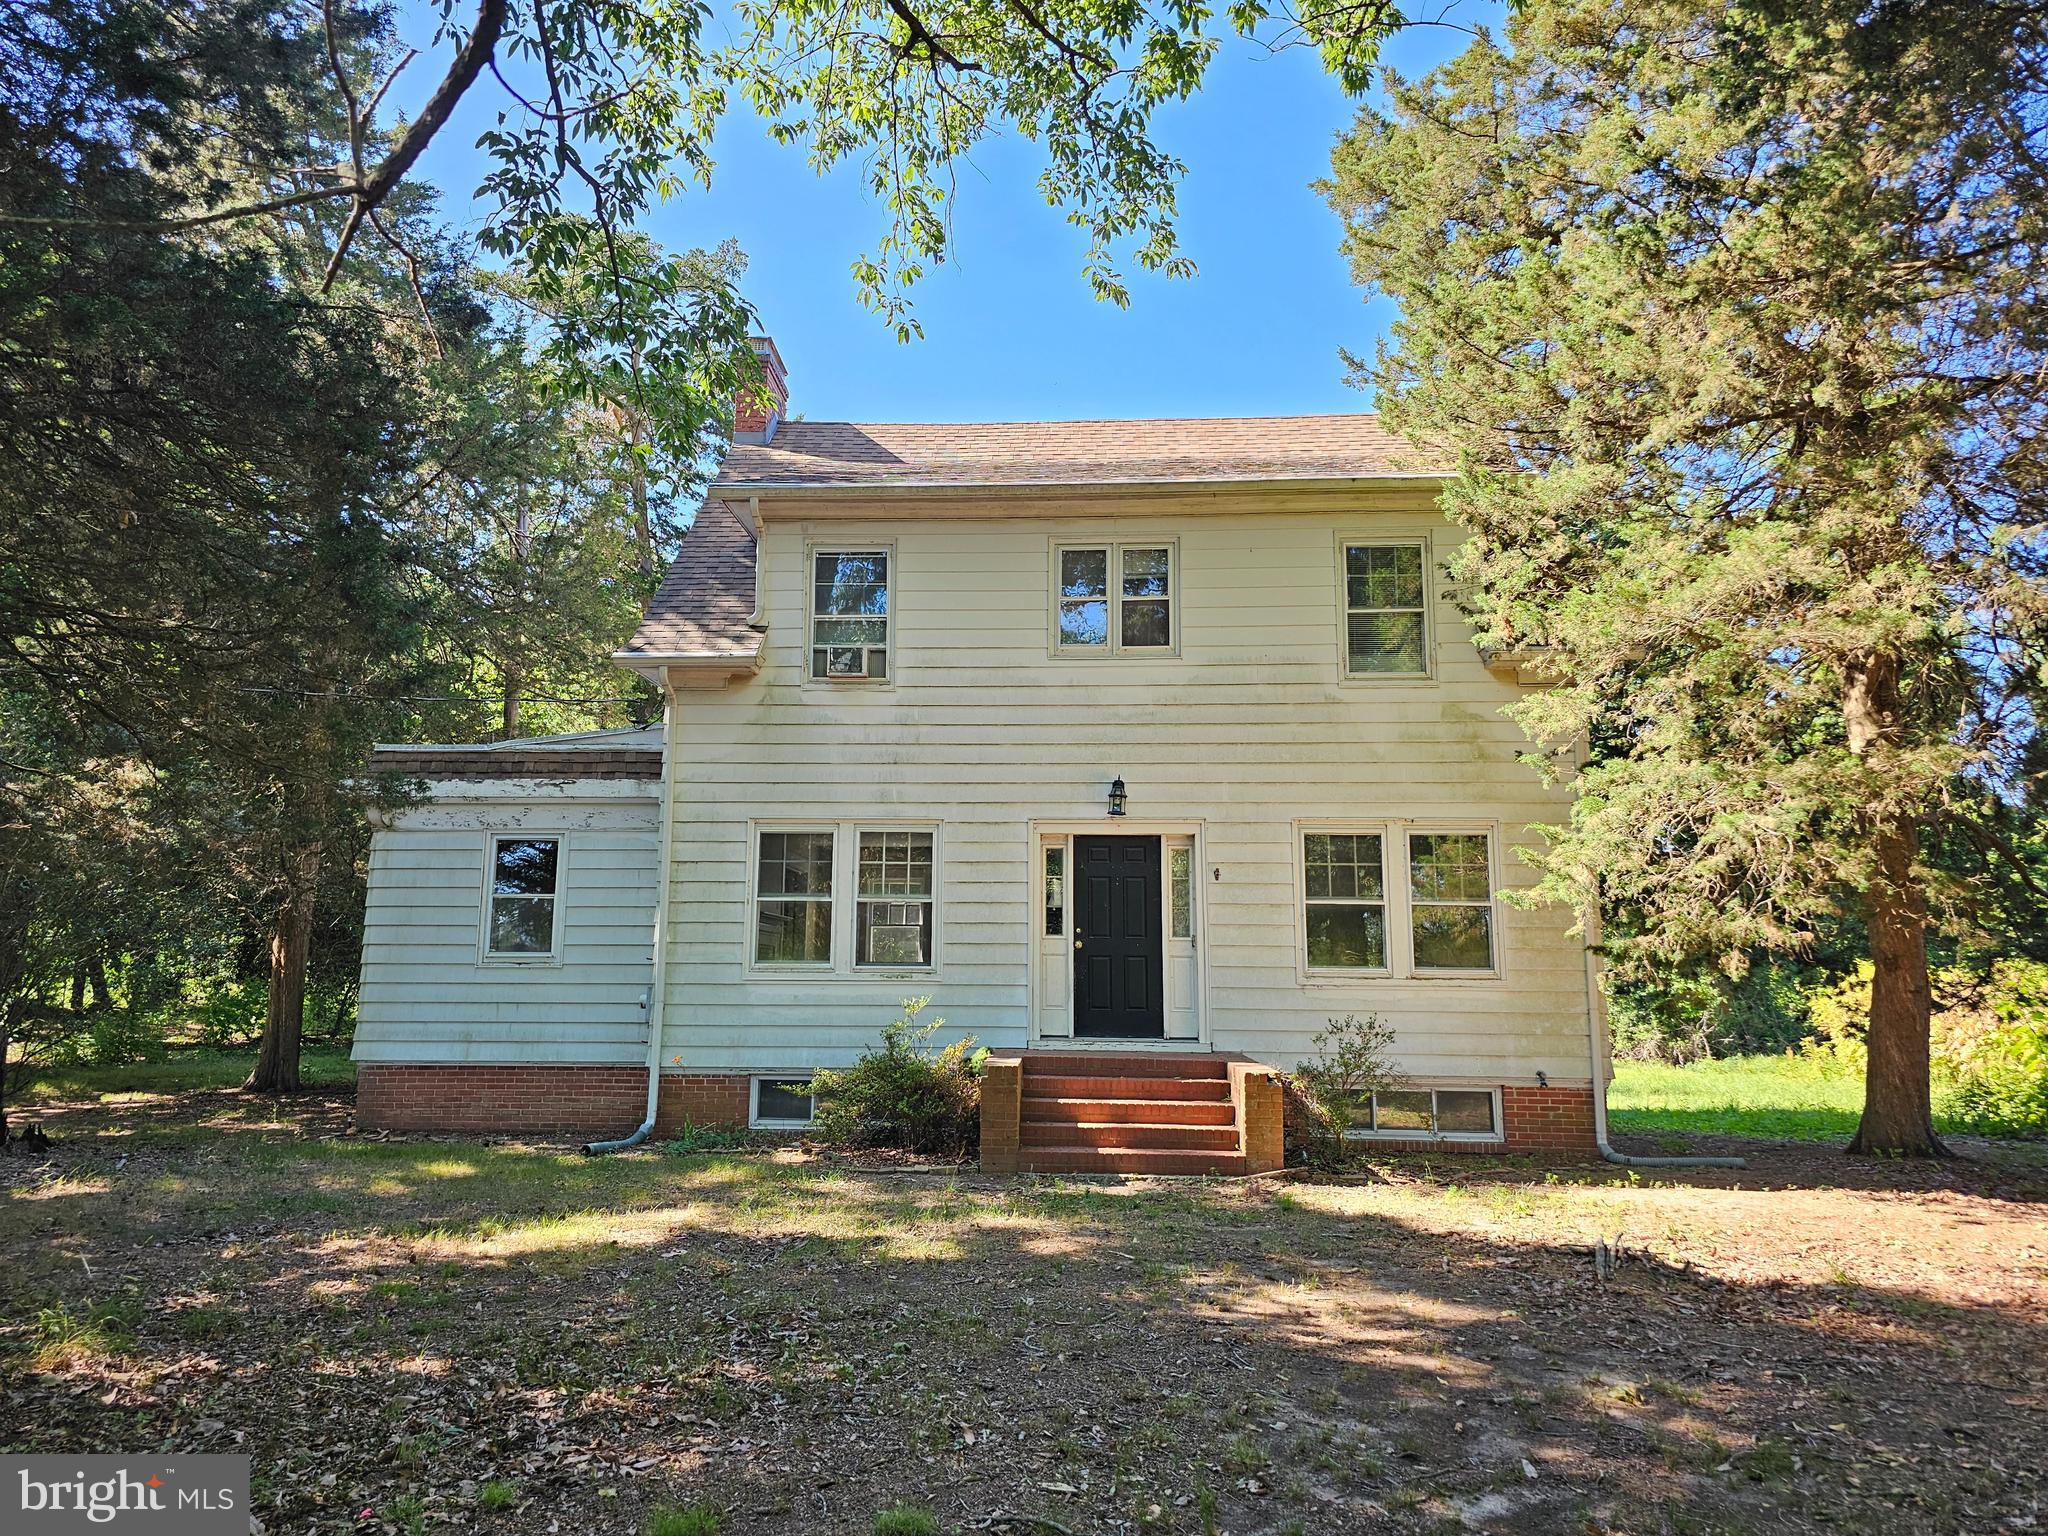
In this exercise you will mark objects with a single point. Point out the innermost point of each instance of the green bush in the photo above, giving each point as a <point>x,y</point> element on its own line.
<point>906,1094</point>
<point>1993,1054</point>
<point>1352,1062</point>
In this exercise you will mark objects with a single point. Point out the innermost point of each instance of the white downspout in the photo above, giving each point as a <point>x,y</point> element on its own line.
<point>670,710</point>
<point>1596,1032</point>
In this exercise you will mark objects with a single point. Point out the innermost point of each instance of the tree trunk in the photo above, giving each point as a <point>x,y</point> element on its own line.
<point>508,725</point>
<point>291,938</point>
<point>1898,1110</point>
<point>643,526</point>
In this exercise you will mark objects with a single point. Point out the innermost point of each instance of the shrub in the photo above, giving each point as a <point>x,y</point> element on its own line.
<point>906,1094</point>
<point>1351,1061</point>
<point>1991,1047</point>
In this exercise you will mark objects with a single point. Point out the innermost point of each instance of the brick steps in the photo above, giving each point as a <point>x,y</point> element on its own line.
<point>1133,1111</point>
<point>1127,1112</point>
<point>1161,1138</point>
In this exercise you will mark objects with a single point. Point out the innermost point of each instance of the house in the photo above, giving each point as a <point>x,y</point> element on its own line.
<point>1144,748</point>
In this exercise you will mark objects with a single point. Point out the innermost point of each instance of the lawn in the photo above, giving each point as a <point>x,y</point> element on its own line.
<point>412,1336</point>
<point>1768,1096</point>
<point>320,1066</point>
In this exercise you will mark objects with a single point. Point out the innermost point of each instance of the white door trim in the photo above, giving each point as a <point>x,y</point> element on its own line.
<point>1037,835</point>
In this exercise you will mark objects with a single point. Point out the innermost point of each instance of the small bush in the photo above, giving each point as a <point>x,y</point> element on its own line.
<point>1351,1062</point>
<point>906,1094</point>
<point>686,1520</point>
<point>906,1520</point>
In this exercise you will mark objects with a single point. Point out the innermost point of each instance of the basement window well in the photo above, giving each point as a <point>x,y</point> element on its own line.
<point>781,1103</point>
<point>1436,1114</point>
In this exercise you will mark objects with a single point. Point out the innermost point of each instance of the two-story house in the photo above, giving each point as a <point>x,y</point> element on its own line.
<point>1145,748</point>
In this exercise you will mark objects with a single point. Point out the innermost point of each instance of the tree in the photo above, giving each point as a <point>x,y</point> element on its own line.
<point>1732,313</point>
<point>609,105</point>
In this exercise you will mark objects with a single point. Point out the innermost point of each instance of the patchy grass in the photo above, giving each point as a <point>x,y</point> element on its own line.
<point>465,1335</point>
<point>322,1067</point>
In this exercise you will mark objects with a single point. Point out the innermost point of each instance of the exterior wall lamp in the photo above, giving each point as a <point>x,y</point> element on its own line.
<point>1117,797</point>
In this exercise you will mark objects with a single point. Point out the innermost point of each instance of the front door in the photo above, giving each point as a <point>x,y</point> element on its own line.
<point>1119,950</point>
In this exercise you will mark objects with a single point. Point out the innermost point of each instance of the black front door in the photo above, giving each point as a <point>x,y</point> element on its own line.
<point>1119,956</point>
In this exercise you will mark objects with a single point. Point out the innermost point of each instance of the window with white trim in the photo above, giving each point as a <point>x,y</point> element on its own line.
<point>893,927</point>
<point>1114,599</point>
<point>850,615</point>
<point>1344,898</point>
<point>1055,890</point>
<point>1450,900</point>
<point>793,899</point>
<point>1451,1114</point>
<point>525,872</point>
<point>782,1103</point>
<point>1385,611</point>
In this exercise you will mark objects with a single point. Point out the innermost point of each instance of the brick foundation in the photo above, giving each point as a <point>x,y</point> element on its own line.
<point>1540,1122</point>
<point>541,1100</point>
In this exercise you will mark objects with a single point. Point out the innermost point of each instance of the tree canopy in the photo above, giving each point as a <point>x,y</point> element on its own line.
<point>1732,313</point>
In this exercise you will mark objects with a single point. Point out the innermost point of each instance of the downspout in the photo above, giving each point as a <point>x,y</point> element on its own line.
<point>1596,1032</point>
<point>657,985</point>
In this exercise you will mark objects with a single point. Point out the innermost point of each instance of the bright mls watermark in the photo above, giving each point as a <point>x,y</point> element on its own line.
<point>161,1495</point>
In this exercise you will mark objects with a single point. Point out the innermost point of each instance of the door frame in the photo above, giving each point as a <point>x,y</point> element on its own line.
<point>1040,834</point>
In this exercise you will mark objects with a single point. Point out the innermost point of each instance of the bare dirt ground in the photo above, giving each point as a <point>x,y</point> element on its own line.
<point>428,1335</point>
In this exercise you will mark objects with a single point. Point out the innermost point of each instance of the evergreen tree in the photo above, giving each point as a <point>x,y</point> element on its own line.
<point>1732,313</point>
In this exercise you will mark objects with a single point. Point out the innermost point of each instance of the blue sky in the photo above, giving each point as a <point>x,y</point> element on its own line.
<point>1011,328</point>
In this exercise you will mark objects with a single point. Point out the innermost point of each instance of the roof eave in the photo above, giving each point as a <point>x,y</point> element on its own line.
<point>753,490</point>
<point>656,666</point>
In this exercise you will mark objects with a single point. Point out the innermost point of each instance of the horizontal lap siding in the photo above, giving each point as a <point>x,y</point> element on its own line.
<point>1247,730</point>
<point>426,995</point>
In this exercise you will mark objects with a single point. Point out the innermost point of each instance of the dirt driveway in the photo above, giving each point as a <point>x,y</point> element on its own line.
<point>445,1335</point>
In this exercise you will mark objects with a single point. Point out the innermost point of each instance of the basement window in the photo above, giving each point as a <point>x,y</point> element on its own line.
<point>1428,1114</point>
<point>782,1103</point>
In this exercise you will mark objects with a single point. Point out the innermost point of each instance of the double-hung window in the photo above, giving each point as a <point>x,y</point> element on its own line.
<point>1344,890</point>
<point>894,927</point>
<point>1450,893</point>
<point>525,872</point>
<point>793,899</point>
<point>850,615</point>
<point>1386,629</point>
<point>1114,599</point>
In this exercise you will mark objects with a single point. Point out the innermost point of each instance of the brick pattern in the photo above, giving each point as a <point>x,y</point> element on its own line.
<point>1540,1122</point>
<point>1002,1108</point>
<point>541,1100</point>
<point>1261,1104</point>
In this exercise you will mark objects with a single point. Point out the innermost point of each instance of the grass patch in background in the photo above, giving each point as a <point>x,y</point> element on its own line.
<point>1796,1098</point>
<point>320,1066</point>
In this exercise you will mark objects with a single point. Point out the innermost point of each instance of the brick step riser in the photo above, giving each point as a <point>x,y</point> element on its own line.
<point>1147,1138</point>
<point>1185,1089</point>
<point>1106,1064</point>
<point>1127,1160</point>
<point>1145,1111</point>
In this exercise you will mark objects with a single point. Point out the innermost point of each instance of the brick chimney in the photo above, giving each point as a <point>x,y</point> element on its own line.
<point>754,419</point>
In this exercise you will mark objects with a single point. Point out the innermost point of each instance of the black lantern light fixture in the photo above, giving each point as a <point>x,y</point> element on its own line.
<point>1116,797</point>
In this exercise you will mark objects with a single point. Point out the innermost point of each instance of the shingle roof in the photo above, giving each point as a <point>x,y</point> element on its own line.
<point>707,597</point>
<point>628,753</point>
<point>841,453</point>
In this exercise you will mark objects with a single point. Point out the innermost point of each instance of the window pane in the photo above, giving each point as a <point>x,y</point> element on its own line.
<point>1453,939</point>
<point>1464,1111</point>
<point>793,933</point>
<point>1385,642</point>
<point>894,933</point>
<point>1055,891</point>
<point>1145,572</point>
<point>795,864</point>
<point>837,632</point>
<point>845,661</point>
<point>525,868</point>
<point>896,864</point>
<point>783,1098</point>
<point>1179,866</point>
<point>1342,866</point>
<point>1084,573</point>
<point>1406,1110</point>
<point>1085,623</point>
<point>1347,938</point>
<point>852,584</point>
<point>522,925</point>
<point>1383,576</point>
<point>1147,622</point>
<point>1449,866</point>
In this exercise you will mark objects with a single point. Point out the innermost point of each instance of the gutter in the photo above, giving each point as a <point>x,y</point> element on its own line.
<point>1602,1053</point>
<point>745,496</point>
<point>658,982</point>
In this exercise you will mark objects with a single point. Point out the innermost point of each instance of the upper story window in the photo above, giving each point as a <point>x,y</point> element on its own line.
<point>523,898</point>
<point>1114,599</point>
<point>850,627</point>
<point>1386,629</point>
